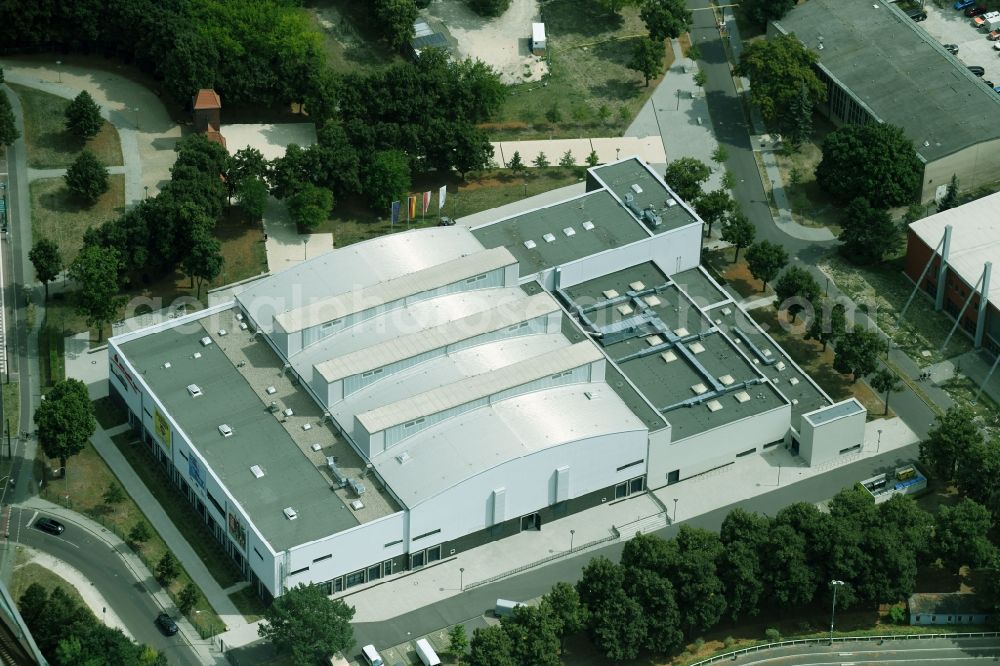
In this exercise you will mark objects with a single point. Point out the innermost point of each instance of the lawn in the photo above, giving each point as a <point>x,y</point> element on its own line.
<point>817,363</point>
<point>353,221</point>
<point>28,573</point>
<point>61,319</point>
<point>736,275</point>
<point>349,42</point>
<point>587,53</point>
<point>58,216</point>
<point>248,603</point>
<point>50,145</point>
<point>87,477</point>
<point>195,532</point>
<point>811,206</point>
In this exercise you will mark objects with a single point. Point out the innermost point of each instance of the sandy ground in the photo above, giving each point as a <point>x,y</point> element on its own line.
<point>270,140</point>
<point>502,42</point>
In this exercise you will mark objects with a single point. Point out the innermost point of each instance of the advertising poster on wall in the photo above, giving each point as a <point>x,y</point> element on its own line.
<point>195,472</point>
<point>237,532</point>
<point>162,428</point>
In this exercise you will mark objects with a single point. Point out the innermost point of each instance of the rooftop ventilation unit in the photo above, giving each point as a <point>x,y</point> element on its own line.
<point>243,326</point>
<point>713,405</point>
<point>652,300</point>
<point>699,388</point>
<point>307,426</point>
<point>669,356</point>
<point>225,430</point>
<point>680,332</point>
<point>635,188</point>
<point>651,219</point>
<point>530,244</point>
<point>316,446</point>
<point>257,471</point>
<point>610,293</point>
<point>357,487</point>
<point>670,203</point>
<point>548,238</point>
<point>239,317</point>
<point>290,513</point>
<point>273,407</point>
<point>337,473</point>
<point>696,347</point>
<point>357,505</point>
<point>194,390</point>
<point>654,340</point>
<point>793,381</point>
<point>167,366</point>
<point>588,226</point>
<point>271,390</point>
<point>569,231</point>
<point>638,285</point>
<point>288,411</point>
<point>742,397</point>
<point>223,332</point>
<point>206,341</point>
<point>403,457</point>
<point>780,365</point>
<point>726,380</point>
<point>196,355</point>
<point>625,309</point>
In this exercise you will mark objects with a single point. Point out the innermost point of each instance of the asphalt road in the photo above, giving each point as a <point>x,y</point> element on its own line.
<point>109,575</point>
<point>900,653</point>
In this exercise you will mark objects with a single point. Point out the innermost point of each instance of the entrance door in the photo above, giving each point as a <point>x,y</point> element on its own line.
<point>531,522</point>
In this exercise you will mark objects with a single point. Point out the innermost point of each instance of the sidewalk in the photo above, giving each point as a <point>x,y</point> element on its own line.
<point>139,570</point>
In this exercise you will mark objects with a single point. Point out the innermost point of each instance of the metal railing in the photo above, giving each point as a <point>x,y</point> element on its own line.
<point>733,654</point>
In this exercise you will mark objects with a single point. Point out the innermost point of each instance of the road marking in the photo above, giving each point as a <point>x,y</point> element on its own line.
<point>32,519</point>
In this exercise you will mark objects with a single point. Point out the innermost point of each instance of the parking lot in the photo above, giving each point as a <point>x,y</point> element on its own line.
<point>952,26</point>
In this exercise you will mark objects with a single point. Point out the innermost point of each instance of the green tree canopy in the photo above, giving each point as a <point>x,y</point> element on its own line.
<point>876,161</point>
<point>857,351</point>
<point>960,535</point>
<point>96,270</point>
<point>307,624</point>
<point>489,7</point>
<point>697,586</point>
<point>797,285</point>
<point>647,58</point>
<point>45,257</point>
<point>713,207</point>
<point>868,234</point>
<point>950,441</point>
<point>310,206</point>
<point>685,176</point>
<point>87,178</point>
<point>563,602</point>
<point>829,324</point>
<point>65,420</point>
<point>387,178</point>
<point>615,6</point>
<point>533,635</point>
<point>491,646</point>
<point>167,568</point>
<point>395,19</point>
<point>83,116</point>
<point>885,381</point>
<point>8,124</point>
<point>979,473</point>
<point>665,18</point>
<point>950,198</point>
<point>740,231</point>
<point>515,163</point>
<point>762,11</point>
<point>204,259</point>
<point>779,68</point>
<point>765,260</point>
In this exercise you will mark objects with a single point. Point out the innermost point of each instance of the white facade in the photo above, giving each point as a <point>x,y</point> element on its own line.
<point>827,433</point>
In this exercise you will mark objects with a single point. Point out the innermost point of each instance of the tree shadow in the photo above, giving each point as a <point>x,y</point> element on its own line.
<point>62,141</point>
<point>579,17</point>
<point>63,201</point>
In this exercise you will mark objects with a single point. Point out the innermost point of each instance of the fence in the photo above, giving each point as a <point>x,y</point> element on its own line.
<point>729,656</point>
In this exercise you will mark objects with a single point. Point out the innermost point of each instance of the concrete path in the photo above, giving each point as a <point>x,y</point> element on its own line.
<point>608,149</point>
<point>285,246</point>
<point>158,518</point>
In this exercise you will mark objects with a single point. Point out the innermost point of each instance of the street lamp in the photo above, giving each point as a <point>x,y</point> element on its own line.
<point>572,533</point>
<point>461,578</point>
<point>136,109</point>
<point>305,251</point>
<point>878,444</point>
<point>674,519</point>
<point>58,70</point>
<point>833,612</point>
<point>145,189</point>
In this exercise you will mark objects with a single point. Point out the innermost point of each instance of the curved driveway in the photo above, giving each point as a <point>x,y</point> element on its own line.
<point>899,653</point>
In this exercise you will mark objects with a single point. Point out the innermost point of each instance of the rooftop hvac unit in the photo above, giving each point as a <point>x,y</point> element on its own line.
<point>225,430</point>
<point>206,341</point>
<point>338,475</point>
<point>357,487</point>
<point>651,219</point>
<point>290,513</point>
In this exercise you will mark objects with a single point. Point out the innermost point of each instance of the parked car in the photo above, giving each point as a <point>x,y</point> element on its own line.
<point>976,69</point>
<point>996,89</point>
<point>371,655</point>
<point>989,83</point>
<point>962,4</point>
<point>951,48</point>
<point>994,36</point>
<point>976,11</point>
<point>917,14</point>
<point>166,624</point>
<point>996,46</point>
<point>50,525</point>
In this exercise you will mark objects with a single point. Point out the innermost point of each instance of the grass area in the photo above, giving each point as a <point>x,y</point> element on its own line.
<point>350,43</point>
<point>50,145</point>
<point>816,362</point>
<point>61,319</point>
<point>588,52</point>
<point>58,216</point>
<point>12,407</point>
<point>811,206</point>
<point>82,488</point>
<point>28,573</point>
<point>180,511</point>
<point>243,250</point>
<point>735,275</point>
<point>882,291</point>
<point>352,221</point>
<point>248,603</point>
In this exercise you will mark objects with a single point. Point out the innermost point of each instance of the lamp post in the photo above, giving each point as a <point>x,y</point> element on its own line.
<point>461,578</point>
<point>674,519</point>
<point>305,250</point>
<point>833,612</point>
<point>572,533</point>
<point>145,189</point>
<point>58,70</point>
<point>136,109</point>
<point>878,443</point>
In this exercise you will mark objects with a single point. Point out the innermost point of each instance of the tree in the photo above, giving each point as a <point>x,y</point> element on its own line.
<point>387,178</point>
<point>83,116</point>
<point>614,6</point>
<point>114,494</point>
<point>188,598</point>
<point>697,586</point>
<point>743,537</point>
<point>789,576</point>
<point>720,154</point>
<point>949,442</point>
<point>516,165</point>
<point>489,7</point>
<point>603,113</point>
<point>45,257</point>
<point>779,68</point>
<point>65,420</point>
<point>139,534</point>
<point>876,161</point>
<point>765,260</point>
<point>310,206</point>
<point>490,646</point>
<point>592,159</point>
<point>739,231</point>
<point>950,198</point>
<point>204,259</point>
<point>685,176</point>
<point>979,474</point>
<point>567,160</point>
<point>167,569</point>
<point>655,595</point>
<point>713,207</point>
<point>796,284</point>
<point>665,18</point>
<point>96,270</point>
<point>762,11</point>
<point>554,115</point>
<point>647,58</point>
<point>541,161</point>
<point>868,233</point>
<point>885,381</point>
<point>87,178</point>
<point>8,124</point>
<point>830,327</point>
<point>307,624</point>
<point>600,580</point>
<point>252,196</point>
<point>533,636</point>
<point>247,164</point>
<point>960,535</point>
<point>458,642</point>
<point>563,603</point>
<point>857,351</point>
<point>618,629</point>
<point>395,18</point>
<point>799,126</point>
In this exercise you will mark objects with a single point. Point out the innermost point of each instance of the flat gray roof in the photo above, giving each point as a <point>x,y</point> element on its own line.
<point>294,475</point>
<point>899,72</point>
<point>699,286</point>
<point>840,410</point>
<point>613,226</point>
<point>621,177</point>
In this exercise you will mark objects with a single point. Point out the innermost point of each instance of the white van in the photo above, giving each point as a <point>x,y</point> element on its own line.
<point>426,653</point>
<point>372,656</point>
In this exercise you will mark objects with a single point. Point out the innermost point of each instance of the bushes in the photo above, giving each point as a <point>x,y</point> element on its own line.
<point>489,7</point>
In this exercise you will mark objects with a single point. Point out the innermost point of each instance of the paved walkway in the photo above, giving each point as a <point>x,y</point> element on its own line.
<point>139,570</point>
<point>285,246</point>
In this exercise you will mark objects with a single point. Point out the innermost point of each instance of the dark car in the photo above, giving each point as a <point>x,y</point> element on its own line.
<point>917,14</point>
<point>49,525</point>
<point>166,624</point>
<point>976,11</point>
<point>951,48</point>
<point>976,69</point>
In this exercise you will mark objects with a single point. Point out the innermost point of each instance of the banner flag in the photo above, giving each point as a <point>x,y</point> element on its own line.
<point>411,208</point>
<point>427,201</point>
<point>441,195</point>
<point>395,212</point>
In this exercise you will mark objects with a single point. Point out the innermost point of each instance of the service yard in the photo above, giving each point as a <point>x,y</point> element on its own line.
<point>952,26</point>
